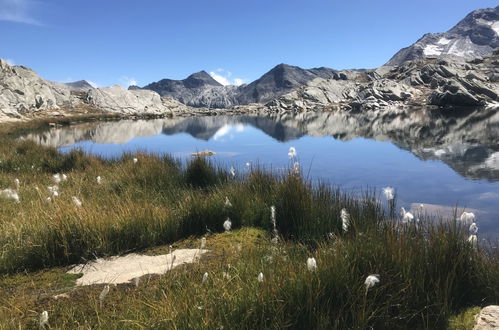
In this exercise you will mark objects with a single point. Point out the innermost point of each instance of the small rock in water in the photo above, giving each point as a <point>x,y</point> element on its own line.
<point>203,153</point>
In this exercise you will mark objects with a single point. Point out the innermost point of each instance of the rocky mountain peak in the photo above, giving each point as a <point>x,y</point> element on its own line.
<point>481,26</point>
<point>477,35</point>
<point>199,79</point>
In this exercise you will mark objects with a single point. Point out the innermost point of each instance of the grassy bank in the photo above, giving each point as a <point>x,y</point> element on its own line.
<point>428,272</point>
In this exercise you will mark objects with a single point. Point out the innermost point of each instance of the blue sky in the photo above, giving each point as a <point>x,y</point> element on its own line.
<point>118,42</point>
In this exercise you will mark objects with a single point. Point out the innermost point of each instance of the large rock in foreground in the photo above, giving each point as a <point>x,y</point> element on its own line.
<point>488,318</point>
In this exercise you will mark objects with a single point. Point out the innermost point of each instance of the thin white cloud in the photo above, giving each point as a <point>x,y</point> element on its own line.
<point>224,77</point>
<point>221,79</point>
<point>127,81</point>
<point>18,11</point>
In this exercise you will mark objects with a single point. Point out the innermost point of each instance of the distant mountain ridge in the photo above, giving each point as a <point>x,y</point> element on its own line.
<point>476,35</point>
<point>201,90</point>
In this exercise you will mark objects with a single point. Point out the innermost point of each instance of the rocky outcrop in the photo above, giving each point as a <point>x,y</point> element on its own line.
<point>415,83</point>
<point>22,92</point>
<point>477,35</point>
<point>117,99</point>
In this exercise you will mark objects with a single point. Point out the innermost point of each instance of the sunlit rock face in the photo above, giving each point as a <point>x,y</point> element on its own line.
<point>466,140</point>
<point>22,91</point>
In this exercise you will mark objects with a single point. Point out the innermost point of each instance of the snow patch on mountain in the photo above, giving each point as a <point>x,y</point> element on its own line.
<point>443,41</point>
<point>430,50</point>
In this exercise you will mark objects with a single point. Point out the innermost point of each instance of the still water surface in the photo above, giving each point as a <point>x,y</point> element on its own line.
<point>439,160</point>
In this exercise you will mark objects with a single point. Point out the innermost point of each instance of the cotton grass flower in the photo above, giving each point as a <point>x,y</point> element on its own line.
<point>232,172</point>
<point>103,294</point>
<point>473,229</point>
<point>311,264</point>
<point>345,220</point>
<point>227,204</point>
<point>98,179</point>
<point>371,281</point>
<point>53,190</point>
<point>473,239</point>
<point>406,216</point>
<point>260,278</point>
<point>135,160</point>
<point>17,183</point>
<point>292,152</point>
<point>467,218</point>
<point>203,243</point>
<point>389,193</point>
<point>56,178</point>
<point>205,278</point>
<point>9,194</point>
<point>76,201</point>
<point>227,224</point>
<point>43,320</point>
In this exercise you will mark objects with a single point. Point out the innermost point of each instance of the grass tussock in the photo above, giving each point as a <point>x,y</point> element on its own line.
<point>428,271</point>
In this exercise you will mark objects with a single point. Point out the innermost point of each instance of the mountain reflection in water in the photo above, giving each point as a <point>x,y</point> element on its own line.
<point>453,159</point>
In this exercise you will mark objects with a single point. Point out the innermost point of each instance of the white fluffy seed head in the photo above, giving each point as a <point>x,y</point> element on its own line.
<point>99,180</point>
<point>371,281</point>
<point>388,192</point>
<point>205,277</point>
<point>227,204</point>
<point>203,243</point>
<point>473,229</point>
<point>473,240</point>
<point>292,152</point>
<point>233,172</point>
<point>406,216</point>
<point>227,224</point>
<point>56,178</point>
<point>53,190</point>
<point>17,183</point>
<point>9,194</point>
<point>467,218</point>
<point>311,264</point>
<point>44,319</point>
<point>135,160</point>
<point>345,219</point>
<point>260,277</point>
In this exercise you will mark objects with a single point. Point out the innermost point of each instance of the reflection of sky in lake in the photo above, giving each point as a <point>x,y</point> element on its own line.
<point>354,165</point>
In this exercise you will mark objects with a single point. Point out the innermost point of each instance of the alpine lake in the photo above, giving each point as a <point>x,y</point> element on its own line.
<point>439,162</point>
